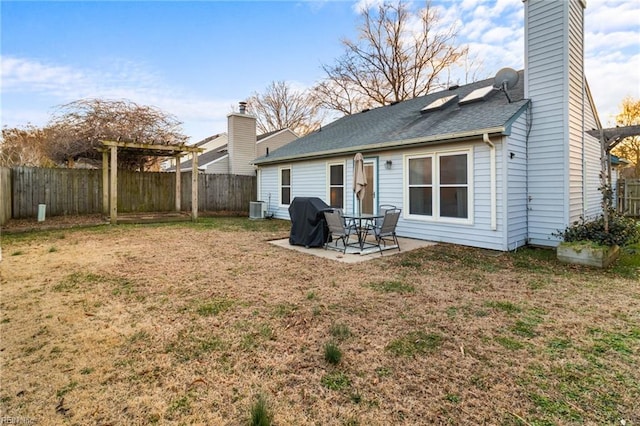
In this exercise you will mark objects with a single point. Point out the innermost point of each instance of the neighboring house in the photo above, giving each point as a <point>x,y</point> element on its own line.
<point>208,144</point>
<point>469,165</point>
<point>233,152</point>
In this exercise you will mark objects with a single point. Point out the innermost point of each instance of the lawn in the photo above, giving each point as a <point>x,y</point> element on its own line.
<point>208,323</point>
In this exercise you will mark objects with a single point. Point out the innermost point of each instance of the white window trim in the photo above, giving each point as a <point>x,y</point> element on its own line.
<point>435,156</point>
<point>344,181</point>
<point>280,169</point>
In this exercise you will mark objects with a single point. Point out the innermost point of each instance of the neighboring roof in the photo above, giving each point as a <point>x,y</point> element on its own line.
<point>616,161</point>
<point>403,124</point>
<point>211,156</point>
<point>204,159</point>
<point>207,139</point>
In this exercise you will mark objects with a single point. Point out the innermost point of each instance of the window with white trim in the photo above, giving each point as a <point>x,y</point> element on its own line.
<point>336,185</point>
<point>285,186</point>
<point>438,185</point>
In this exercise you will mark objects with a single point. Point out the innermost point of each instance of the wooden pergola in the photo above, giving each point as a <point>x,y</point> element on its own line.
<point>110,149</point>
<point>609,138</point>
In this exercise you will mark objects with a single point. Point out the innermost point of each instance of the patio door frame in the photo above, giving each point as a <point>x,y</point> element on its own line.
<point>370,204</point>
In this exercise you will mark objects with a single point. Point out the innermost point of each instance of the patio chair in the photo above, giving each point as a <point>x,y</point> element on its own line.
<point>386,231</point>
<point>339,230</point>
<point>382,210</point>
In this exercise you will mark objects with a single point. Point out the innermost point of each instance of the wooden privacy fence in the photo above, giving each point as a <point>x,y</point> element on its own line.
<point>5,195</point>
<point>629,197</point>
<point>79,191</point>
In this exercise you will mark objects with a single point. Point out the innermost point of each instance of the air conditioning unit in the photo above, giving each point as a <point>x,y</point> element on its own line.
<point>257,210</point>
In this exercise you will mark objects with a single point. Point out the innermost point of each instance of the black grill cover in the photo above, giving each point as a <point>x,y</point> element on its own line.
<point>308,226</point>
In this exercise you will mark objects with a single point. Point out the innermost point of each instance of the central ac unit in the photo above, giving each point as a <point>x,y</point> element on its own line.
<point>257,210</point>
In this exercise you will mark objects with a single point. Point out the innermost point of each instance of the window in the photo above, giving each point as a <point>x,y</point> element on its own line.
<point>285,186</point>
<point>336,185</point>
<point>438,185</point>
<point>453,186</point>
<point>420,186</point>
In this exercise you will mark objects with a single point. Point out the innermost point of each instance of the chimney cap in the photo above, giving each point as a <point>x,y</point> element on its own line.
<point>243,107</point>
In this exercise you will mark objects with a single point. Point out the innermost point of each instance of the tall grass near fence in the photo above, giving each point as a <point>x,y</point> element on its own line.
<point>79,192</point>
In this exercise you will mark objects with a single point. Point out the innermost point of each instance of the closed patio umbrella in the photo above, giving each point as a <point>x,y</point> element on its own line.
<point>359,179</point>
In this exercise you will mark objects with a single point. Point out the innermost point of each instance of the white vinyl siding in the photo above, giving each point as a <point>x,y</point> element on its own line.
<point>515,184</point>
<point>242,143</point>
<point>309,179</point>
<point>219,166</point>
<point>274,142</point>
<point>593,196</point>
<point>554,83</point>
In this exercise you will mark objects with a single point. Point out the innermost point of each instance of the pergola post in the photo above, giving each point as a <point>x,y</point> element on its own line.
<point>113,192</point>
<point>178,182</point>
<point>105,183</point>
<point>194,186</point>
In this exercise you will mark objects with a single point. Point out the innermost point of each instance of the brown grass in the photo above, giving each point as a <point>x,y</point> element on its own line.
<point>189,324</point>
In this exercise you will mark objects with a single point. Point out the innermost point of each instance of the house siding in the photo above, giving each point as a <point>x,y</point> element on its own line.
<point>577,176</point>
<point>555,84</point>
<point>274,141</point>
<point>515,185</point>
<point>242,143</point>
<point>308,179</point>
<point>593,196</point>
<point>220,166</point>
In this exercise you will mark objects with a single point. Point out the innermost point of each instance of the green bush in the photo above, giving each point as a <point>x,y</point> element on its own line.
<point>622,231</point>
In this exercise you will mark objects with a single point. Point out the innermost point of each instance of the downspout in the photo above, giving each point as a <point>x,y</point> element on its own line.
<point>492,171</point>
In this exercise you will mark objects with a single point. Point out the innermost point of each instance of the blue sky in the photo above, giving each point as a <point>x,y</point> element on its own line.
<point>197,59</point>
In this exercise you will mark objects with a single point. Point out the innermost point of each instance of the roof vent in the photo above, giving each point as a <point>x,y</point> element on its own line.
<point>365,110</point>
<point>454,87</point>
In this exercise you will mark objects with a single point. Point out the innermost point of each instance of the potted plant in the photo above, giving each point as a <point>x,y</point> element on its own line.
<point>597,242</point>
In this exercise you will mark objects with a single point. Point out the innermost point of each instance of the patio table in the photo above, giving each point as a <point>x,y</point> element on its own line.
<point>364,222</point>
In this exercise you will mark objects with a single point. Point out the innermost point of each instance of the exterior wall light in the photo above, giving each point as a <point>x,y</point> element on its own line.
<point>388,164</point>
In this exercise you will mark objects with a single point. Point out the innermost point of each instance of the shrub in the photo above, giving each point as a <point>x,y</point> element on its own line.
<point>622,231</point>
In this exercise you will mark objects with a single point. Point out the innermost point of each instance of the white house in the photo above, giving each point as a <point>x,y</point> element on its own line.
<point>472,165</point>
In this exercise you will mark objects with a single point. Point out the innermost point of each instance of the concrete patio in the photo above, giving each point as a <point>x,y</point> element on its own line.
<point>352,255</point>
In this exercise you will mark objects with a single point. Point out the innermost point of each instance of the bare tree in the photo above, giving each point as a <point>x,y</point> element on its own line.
<point>76,129</point>
<point>23,146</point>
<point>280,107</point>
<point>399,55</point>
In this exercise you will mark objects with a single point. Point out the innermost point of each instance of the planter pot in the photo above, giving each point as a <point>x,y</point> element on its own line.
<point>587,253</point>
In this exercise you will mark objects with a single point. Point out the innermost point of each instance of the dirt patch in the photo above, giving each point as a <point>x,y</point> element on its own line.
<point>189,323</point>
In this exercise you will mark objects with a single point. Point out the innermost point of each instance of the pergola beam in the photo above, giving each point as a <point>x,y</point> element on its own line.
<point>613,136</point>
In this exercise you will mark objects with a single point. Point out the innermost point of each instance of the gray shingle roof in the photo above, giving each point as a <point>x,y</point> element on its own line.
<point>403,124</point>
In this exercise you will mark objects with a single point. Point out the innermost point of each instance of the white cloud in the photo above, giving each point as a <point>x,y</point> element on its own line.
<point>59,84</point>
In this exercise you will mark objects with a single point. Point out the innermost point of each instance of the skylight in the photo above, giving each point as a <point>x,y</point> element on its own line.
<point>480,94</point>
<point>439,103</point>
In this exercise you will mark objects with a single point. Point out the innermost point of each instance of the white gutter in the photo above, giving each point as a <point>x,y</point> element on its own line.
<point>492,171</point>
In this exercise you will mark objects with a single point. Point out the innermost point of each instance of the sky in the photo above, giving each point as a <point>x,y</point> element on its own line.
<point>197,59</point>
